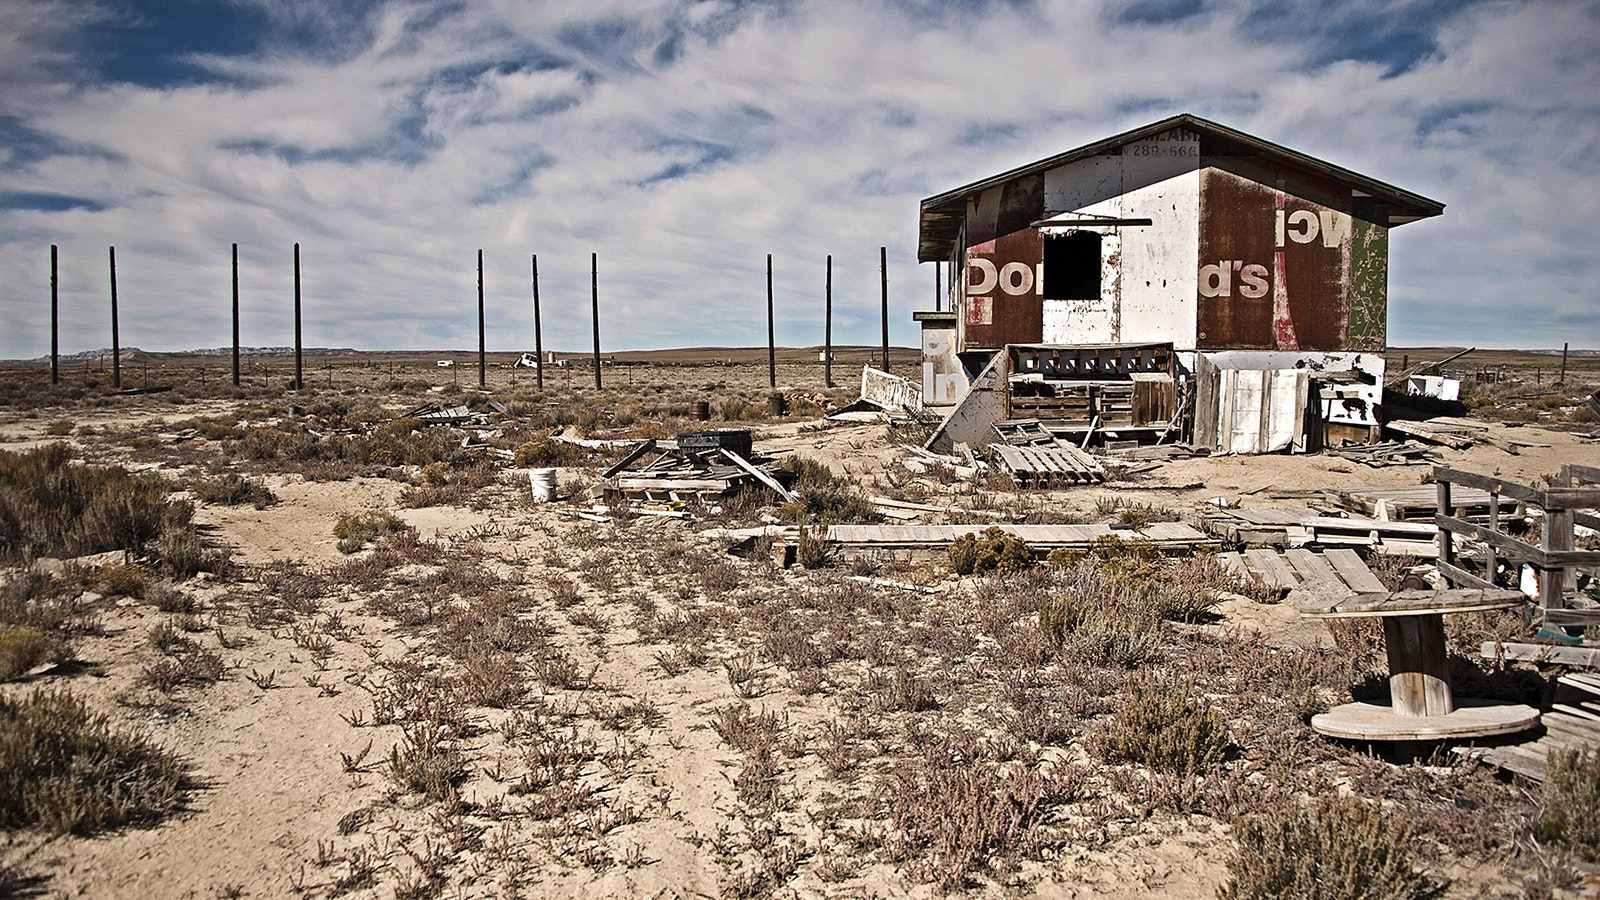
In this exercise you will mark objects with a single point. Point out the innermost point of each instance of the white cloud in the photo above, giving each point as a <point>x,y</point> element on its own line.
<point>684,141</point>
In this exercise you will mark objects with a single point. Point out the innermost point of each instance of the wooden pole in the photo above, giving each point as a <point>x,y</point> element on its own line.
<point>827,328</point>
<point>236,314</point>
<point>594,291</point>
<point>772,349</point>
<point>883,269</point>
<point>299,371</point>
<point>1564,346</point>
<point>55,322</point>
<point>938,287</point>
<point>116,337</point>
<point>482,369</point>
<point>538,335</point>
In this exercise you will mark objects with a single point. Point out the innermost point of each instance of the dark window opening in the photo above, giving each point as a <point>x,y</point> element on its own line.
<point>1072,266</point>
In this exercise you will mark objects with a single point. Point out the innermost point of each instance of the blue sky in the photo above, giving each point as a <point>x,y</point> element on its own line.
<point>682,141</point>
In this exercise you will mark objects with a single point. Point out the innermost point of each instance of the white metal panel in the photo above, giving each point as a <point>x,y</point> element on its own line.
<point>1080,321</point>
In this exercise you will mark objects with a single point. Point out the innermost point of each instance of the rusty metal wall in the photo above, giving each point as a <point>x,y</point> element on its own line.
<point>1275,252</point>
<point>1004,253</point>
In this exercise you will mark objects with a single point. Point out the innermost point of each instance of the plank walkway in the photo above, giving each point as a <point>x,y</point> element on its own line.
<point>1172,536</point>
<point>1310,579</point>
<point>1572,724</point>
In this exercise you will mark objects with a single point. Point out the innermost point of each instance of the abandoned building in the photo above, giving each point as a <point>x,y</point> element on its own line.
<point>1180,276</point>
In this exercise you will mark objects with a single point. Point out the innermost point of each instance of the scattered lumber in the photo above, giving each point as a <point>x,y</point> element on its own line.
<point>1456,437</point>
<point>1390,453</point>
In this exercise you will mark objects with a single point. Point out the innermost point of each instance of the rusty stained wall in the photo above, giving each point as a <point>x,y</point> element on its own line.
<point>1277,258</point>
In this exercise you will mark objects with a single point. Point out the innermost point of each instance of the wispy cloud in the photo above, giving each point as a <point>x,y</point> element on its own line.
<point>682,141</point>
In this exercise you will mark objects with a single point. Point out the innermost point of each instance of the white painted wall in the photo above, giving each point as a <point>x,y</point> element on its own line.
<point>1149,286</point>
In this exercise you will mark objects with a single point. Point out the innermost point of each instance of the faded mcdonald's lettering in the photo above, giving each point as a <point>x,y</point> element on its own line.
<point>1216,279</point>
<point>1302,226</point>
<point>986,275</point>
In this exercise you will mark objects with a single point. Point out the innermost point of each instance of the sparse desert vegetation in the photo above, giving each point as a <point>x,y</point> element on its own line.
<point>320,648</point>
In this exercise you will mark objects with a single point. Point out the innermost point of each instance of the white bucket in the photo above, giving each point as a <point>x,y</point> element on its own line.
<point>544,484</point>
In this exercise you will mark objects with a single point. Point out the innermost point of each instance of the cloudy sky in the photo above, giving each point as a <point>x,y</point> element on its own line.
<point>683,140</point>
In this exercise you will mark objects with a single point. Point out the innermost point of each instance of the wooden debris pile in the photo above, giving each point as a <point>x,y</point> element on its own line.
<point>697,466</point>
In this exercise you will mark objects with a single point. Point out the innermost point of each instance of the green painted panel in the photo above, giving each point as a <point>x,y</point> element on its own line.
<point>1369,286</point>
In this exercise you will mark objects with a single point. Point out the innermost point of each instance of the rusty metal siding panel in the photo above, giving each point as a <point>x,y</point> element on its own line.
<point>1003,255</point>
<point>1275,253</point>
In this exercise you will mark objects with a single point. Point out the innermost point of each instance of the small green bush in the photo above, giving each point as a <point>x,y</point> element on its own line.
<point>992,550</point>
<point>811,550</point>
<point>69,770</point>
<point>1165,727</point>
<point>1336,847</point>
<point>1567,807</point>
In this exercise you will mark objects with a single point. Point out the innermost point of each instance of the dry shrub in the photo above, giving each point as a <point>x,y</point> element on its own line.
<point>118,580</point>
<point>233,489</point>
<point>954,821</point>
<point>992,550</point>
<point>21,649</point>
<point>545,452</point>
<point>1569,800</point>
<point>1334,847</point>
<point>357,531</point>
<point>1165,727</point>
<point>69,770</point>
<point>426,761</point>
<point>52,507</point>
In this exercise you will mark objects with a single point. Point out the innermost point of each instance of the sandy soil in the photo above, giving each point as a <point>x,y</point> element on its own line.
<point>292,771</point>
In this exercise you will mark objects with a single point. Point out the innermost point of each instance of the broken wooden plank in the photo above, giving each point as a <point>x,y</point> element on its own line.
<point>1545,653</point>
<point>628,460</point>
<point>1354,572</point>
<point>788,495</point>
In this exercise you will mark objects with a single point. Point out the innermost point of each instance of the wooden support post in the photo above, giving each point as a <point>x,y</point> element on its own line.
<point>55,322</point>
<point>1419,668</point>
<point>938,286</point>
<point>1564,346</point>
<point>299,370</point>
<point>883,269</point>
<point>827,327</point>
<point>594,290</point>
<point>1556,538</point>
<point>538,333</point>
<point>1447,556</point>
<point>116,336</point>
<point>483,380</point>
<point>236,315</point>
<point>772,347</point>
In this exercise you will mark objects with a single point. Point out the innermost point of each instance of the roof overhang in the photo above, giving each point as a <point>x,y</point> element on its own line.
<point>942,215</point>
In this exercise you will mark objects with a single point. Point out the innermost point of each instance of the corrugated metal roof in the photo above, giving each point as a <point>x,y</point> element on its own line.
<point>942,214</point>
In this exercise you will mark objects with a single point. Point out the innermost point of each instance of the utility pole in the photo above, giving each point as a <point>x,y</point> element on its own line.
<point>594,291</point>
<point>236,314</point>
<point>482,372</point>
<point>299,372</point>
<point>538,335</point>
<point>772,351</point>
<point>827,328</point>
<point>55,322</point>
<point>116,339</point>
<point>883,268</point>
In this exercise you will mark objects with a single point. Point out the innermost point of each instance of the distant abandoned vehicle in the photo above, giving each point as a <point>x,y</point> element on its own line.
<point>526,361</point>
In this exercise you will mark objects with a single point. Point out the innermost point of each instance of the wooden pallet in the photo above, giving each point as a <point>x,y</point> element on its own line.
<point>1295,527</point>
<point>1414,503</point>
<point>1043,466</point>
<point>1308,579</point>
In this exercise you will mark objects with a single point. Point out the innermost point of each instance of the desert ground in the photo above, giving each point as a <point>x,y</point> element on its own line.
<point>388,672</point>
